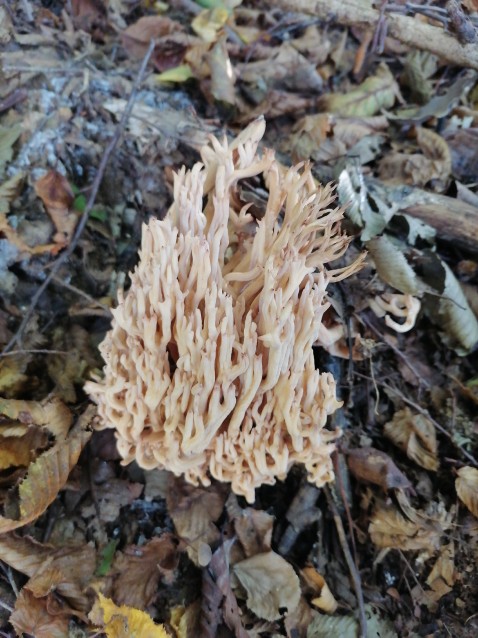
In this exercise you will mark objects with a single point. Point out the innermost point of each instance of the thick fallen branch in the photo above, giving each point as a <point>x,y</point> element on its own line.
<point>453,219</point>
<point>404,28</point>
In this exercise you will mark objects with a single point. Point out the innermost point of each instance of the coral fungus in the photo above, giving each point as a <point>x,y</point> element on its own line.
<point>209,363</point>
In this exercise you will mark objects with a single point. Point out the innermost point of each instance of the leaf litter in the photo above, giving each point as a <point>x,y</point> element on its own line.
<point>102,547</point>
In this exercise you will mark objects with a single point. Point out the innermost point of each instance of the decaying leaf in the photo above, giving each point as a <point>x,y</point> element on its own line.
<point>377,92</point>
<point>36,617</point>
<point>443,575</point>
<point>439,105</point>
<point>46,476</point>
<point>285,68</point>
<point>137,36</point>
<point>222,73</point>
<point>389,529</point>
<point>21,449</point>
<point>8,137</point>
<point>138,570</point>
<point>124,622</point>
<point>194,511</point>
<point>355,195</point>
<point>392,265</point>
<point>57,196</point>
<point>348,627</point>
<point>374,466</point>
<point>431,166</point>
<point>207,23</point>
<point>467,488</point>
<point>271,584</point>
<point>51,413</point>
<point>457,320</point>
<point>8,191</point>
<point>218,599</point>
<point>415,435</point>
<point>111,495</point>
<point>253,529</point>
<point>418,69</point>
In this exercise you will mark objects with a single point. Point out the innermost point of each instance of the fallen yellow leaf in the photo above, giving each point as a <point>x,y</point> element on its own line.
<point>124,622</point>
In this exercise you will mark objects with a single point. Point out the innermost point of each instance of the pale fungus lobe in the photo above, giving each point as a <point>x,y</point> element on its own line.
<point>209,362</point>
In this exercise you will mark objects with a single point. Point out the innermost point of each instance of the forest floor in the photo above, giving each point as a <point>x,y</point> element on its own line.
<point>94,121</point>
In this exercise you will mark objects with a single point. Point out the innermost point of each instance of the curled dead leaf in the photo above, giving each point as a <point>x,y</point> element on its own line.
<point>467,488</point>
<point>271,584</point>
<point>415,435</point>
<point>389,529</point>
<point>377,92</point>
<point>46,476</point>
<point>37,617</point>
<point>124,622</point>
<point>374,466</point>
<point>138,570</point>
<point>194,511</point>
<point>57,196</point>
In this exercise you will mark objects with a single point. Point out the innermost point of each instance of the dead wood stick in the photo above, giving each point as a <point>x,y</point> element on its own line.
<point>354,574</point>
<point>404,28</point>
<point>453,219</point>
<point>89,205</point>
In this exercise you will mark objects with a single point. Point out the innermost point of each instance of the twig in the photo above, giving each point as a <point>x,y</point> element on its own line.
<point>399,354</point>
<point>18,353</point>
<point>89,205</point>
<point>406,29</point>
<point>81,293</point>
<point>355,576</point>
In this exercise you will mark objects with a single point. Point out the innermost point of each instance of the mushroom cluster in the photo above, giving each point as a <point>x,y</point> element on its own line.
<point>209,362</point>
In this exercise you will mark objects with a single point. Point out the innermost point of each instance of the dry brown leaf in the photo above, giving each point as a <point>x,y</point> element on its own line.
<point>20,451</point>
<point>467,488</point>
<point>389,529</point>
<point>137,571</point>
<point>64,570</point>
<point>222,73</point>
<point>443,576</point>
<point>209,22</point>
<point>137,36</point>
<point>271,584</point>
<point>254,530</point>
<point>373,466</point>
<point>124,622</point>
<point>110,496</point>
<point>33,616</point>
<point>377,92</point>
<point>286,68</point>
<point>46,476</point>
<point>194,511</point>
<point>415,435</point>
<point>51,413</point>
<point>23,553</point>
<point>434,165</point>
<point>57,196</point>
<point>440,580</point>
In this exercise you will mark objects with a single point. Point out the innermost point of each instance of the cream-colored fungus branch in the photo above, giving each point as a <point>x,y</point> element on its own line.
<point>209,364</point>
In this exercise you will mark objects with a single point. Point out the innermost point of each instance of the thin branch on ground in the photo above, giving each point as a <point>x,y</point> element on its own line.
<point>18,353</point>
<point>439,427</point>
<point>89,205</point>
<point>399,354</point>
<point>81,293</point>
<point>354,574</point>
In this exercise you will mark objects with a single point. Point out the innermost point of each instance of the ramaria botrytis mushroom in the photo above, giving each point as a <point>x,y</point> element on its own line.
<point>209,363</point>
